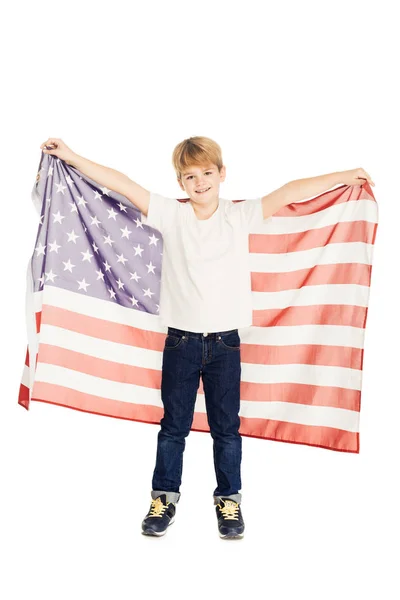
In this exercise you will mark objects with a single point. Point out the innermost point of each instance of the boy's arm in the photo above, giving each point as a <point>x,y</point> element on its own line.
<point>113,180</point>
<point>301,189</point>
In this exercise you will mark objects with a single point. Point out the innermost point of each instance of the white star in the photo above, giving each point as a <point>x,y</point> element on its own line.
<point>84,228</point>
<point>111,213</point>
<point>86,256</point>
<point>41,280</point>
<point>126,232</point>
<point>61,188</point>
<point>50,172</point>
<point>135,276</point>
<point>100,275</point>
<point>120,284</point>
<point>48,199</point>
<point>138,250</point>
<point>97,196</point>
<point>122,207</point>
<point>105,190</point>
<point>58,217</point>
<point>158,307</point>
<point>122,259</point>
<point>153,240</point>
<point>150,267</point>
<point>112,293</point>
<point>41,219</point>
<point>54,246</point>
<point>74,207</point>
<point>95,248</point>
<point>68,266</point>
<point>50,276</point>
<point>139,223</point>
<point>40,249</point>
<point>148,293</point>
<point>134,301</point>
<point>95,221</point>
<point>83,285</point>
<point>107,266</point>
<point>108,240</point>
<point>69,180</point>
<point>72,237</point>
<point>81,201</point>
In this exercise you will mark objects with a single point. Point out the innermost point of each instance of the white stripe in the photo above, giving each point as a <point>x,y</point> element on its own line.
<point>325,335</point>
<point>287,262</point>
<point>311,295</point>
<point>101,309</point>
<point>130,393</point>
<point>353,210</point>
<point>150,359</point>
<point>25,376</point>
<point>302,414</point>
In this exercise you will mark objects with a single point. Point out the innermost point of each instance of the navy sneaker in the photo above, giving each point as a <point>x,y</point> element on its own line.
<point>160,516</point>
<point>230,520</point>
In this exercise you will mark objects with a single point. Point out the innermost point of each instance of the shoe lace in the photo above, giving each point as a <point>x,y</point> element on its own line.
<point>157,508</point>
<point>230,510</point>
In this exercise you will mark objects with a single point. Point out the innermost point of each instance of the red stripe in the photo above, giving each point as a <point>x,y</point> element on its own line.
<point>151,378</point>
<point>280,243</point>
<point>23,396</point>
<point>324,437</point>
<point>38,321</point>
<point>320,275</point>
<point>102,329</point>
<point>304,354</point>
<point>317,314</point>
<point>335,197</point>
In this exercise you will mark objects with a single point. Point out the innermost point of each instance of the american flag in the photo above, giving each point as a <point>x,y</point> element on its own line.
<point>93,287</point>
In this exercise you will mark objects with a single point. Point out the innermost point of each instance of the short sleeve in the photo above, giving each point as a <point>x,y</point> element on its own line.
<point>162,212</point>
<point>251,213</point>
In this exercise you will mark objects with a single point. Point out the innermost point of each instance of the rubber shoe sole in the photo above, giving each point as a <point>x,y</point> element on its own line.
<point>231,535</point>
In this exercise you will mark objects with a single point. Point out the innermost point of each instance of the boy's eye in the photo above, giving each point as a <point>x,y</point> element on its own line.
<point>192,175</point>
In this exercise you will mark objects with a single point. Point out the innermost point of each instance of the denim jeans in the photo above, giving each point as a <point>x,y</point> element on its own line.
<point>216,357</point>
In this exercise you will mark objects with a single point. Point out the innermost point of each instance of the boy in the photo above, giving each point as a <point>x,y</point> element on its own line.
<point>205,299</point>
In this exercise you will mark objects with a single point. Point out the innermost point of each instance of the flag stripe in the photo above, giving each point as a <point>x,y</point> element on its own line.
<point>330,314</point>
<point>339,233</point>
<point>325,437</point>
<point>350,252</point>
<point>321,274</point>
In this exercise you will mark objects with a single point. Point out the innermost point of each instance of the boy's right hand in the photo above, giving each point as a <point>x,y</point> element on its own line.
<point>58,148</point>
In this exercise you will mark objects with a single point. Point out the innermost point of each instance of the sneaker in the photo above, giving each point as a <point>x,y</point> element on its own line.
<point>230,520</point>
<point>160,516</point>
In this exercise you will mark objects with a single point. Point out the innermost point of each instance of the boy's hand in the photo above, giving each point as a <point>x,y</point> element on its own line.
<point>58,148</point>
<point>356,177</point>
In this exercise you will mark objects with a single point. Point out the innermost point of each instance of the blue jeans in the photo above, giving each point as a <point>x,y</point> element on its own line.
<point>216,357</point>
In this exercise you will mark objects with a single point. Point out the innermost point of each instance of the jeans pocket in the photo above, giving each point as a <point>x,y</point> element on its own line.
<point>173,341</point>
<point>231,340</point>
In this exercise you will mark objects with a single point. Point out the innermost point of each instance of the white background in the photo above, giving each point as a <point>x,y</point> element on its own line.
<point>289,90</point>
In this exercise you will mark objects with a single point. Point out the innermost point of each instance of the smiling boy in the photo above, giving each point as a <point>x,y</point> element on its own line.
<point>205,299</point>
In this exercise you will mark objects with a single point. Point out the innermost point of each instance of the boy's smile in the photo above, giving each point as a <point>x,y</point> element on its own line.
<point>201,183</point>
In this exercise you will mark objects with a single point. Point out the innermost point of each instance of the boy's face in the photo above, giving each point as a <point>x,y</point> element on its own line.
<point>197,178</point>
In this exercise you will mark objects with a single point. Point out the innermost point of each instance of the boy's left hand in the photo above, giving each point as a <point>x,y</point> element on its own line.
<point>356,177</point>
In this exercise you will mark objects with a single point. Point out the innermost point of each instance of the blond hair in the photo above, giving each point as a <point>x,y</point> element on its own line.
<point>197,150</point>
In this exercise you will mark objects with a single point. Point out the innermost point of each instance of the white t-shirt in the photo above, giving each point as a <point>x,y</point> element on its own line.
<point>205,275</point>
